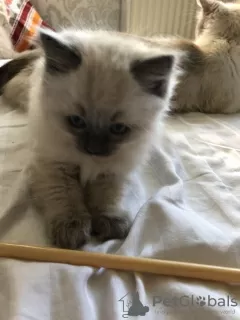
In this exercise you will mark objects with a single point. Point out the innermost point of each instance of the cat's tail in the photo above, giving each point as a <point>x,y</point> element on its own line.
<point>14,78</point>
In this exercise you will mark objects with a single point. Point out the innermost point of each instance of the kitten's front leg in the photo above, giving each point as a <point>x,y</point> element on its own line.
<point>59,196</point>
<point>104,200</point>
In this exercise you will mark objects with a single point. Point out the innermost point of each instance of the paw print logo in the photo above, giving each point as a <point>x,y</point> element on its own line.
<point>201,301</point>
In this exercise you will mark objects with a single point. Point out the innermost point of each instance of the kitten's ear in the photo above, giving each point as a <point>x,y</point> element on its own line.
<point>153,74</point>
<point>209,6</point>
<point>60,56</point>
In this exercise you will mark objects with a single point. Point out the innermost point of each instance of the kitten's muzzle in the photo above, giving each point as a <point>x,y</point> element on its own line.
<point>95,152</point>
<point>97,145</point>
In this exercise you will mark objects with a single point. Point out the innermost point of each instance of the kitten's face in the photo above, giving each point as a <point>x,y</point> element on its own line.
<point>219,18</point>
<point>102,97</point>
<point>98,139</point>
<point>103,109</point>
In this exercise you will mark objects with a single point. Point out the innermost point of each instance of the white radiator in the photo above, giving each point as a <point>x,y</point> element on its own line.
<point>154,17</point>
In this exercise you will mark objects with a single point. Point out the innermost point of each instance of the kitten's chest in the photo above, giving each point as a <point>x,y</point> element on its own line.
<point>89,171</point>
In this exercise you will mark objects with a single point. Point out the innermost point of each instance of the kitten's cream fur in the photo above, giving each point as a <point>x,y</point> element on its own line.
<point>212,79</point>
<point>77,193</point>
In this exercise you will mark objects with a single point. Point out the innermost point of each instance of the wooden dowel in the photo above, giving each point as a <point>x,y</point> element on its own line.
<point>122,263</point>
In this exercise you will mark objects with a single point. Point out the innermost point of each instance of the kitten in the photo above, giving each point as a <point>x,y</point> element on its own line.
<point>211,80</point>
<point>96,100</point>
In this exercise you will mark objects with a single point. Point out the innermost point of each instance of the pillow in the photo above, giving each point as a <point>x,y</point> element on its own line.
<point>4,22</point>
<point>24,21</point>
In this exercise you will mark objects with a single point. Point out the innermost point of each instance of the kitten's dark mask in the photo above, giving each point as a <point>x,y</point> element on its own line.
<point>96,140</point>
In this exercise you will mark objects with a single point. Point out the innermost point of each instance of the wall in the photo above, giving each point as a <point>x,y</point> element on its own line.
<point>154,17</point>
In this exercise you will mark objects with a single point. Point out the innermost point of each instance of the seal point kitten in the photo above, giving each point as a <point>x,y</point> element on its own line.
<point>211,78</point>
<point>96,101</point>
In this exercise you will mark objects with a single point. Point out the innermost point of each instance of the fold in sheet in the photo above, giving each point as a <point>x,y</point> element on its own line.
<point>190,212</point>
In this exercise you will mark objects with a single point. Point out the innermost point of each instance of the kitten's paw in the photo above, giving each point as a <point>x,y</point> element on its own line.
<point>70,232</point>
<point>107,227</point>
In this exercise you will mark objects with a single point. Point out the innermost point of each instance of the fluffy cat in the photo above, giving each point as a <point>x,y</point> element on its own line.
<point>95,103</point>
<point>211,80</point>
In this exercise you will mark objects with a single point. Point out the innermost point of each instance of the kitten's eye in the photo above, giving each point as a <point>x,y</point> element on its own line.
<point>77,122</point>
<point>118,129</point>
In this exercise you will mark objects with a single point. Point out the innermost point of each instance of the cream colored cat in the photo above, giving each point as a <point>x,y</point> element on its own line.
<point>96,99</point>
<point>212,79</point>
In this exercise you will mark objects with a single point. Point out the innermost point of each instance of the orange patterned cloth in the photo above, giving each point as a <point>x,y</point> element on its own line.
<point>24,21</point>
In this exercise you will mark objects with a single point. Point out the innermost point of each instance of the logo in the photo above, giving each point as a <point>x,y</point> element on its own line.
<point>132,306</point>
<point>194,301</point>
<point>201,301</point>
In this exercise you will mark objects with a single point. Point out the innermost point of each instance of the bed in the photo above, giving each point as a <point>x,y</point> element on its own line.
<point>191,213</point>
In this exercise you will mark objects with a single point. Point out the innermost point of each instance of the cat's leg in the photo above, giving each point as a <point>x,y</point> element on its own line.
<point>59,197</point>
<point>104,199</point>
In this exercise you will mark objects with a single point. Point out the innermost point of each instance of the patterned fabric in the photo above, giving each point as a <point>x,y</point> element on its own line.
<point>4,22</point>
<point>24,21</point>
<point>22,17</point>
<point>92,14</point>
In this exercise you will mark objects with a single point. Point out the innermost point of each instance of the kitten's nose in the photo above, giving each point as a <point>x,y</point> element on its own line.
<point>96,145</point>
<point>94,151</point>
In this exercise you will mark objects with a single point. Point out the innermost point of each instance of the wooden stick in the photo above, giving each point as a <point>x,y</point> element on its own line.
<point>122,263</point>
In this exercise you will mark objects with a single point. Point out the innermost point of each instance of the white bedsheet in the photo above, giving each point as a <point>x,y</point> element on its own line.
<point>192,214</point>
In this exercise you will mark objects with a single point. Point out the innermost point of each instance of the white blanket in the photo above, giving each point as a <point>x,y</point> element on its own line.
<point>192,214</point>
